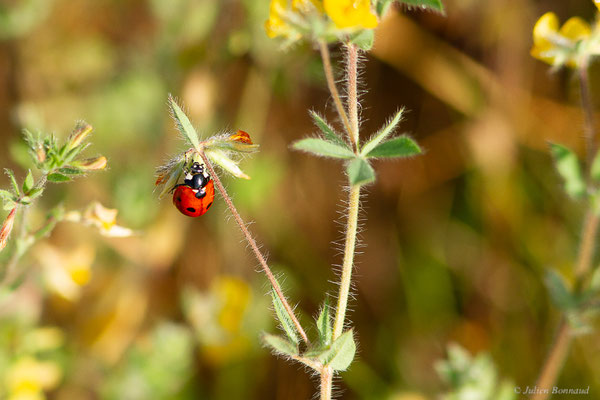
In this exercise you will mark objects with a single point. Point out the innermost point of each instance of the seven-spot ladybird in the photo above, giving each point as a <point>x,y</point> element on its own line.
<point>195,196</point>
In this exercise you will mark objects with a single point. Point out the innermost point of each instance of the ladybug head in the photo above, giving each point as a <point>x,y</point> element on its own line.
<point>197,168</point>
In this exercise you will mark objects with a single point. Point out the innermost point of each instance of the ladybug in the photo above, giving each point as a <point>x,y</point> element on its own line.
<point>196,194</point>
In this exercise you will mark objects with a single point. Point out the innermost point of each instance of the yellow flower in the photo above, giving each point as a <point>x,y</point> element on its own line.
<point>281,12</point>
<point>105,219</point>
<point>66,273</point>
<point>351,13</point>
<point>557,46</point>
<point>27,378</point>
<point>277,25</point>
<point>597,3</point>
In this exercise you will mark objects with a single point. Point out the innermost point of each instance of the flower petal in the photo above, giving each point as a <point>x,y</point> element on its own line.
<point>351,13</point>
<point>575,29</point>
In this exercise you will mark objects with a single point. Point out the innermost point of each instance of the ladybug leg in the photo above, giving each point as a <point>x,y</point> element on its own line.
<point>201,193</point>
<point>175,187</point>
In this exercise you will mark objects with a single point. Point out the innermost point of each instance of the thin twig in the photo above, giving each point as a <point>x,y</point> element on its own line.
<point>259,256</point>
<point>333,90</point>
<point>560,347</point>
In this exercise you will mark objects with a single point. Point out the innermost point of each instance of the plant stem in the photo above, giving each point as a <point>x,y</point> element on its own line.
<point>259,256</point>
<point>560,348</point>
<point>352,71</point>
<point>333,90</point>
<point>352,218</point>
<point>10,270</point>
<point>326,383</point>
<point>348,263</point>
<point>586,102</point>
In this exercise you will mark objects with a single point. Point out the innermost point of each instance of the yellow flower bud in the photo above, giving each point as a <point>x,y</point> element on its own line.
<point>93,164</point>
<point>79,134</point>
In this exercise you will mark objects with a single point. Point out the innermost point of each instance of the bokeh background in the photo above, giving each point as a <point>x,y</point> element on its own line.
<point>454,242</point>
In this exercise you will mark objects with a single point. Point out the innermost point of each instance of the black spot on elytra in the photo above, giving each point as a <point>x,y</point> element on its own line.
<point>179,199</point>
<point>191,209</point>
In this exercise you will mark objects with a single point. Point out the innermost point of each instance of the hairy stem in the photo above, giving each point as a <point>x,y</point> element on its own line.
<point>10,272</point>
<point>334,92</point>
<point>326,383</point>
<point>352,71</point>
<point>348,263</point>
<point>259,256</point>
<point>560,348</point>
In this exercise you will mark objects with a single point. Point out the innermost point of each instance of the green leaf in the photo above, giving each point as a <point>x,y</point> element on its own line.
<point>284,319</point>
<point>183,124</point>
<point>341,352</point>
<point>382,7</point>
<point>327,130</point>
<point>323,148</point>
<point>595,280</point>
<point>71,154</point>
<point>9,205</point>
<point>324,324</point>
<point>6,195</point>
<point>71,171</point>
<point>280,345</point>
<point>28,182</point>
<point>36,192</point>
<point>13,180</point>
<point>559,292</point>
<point>568,167</point>
<point>222,159</point>
<point>360,172</point>
<point>364,39</point>
<point>398,147</point>
<point>434,5</point>
<point>595,168</point>
<point>58,178</point>
<point>383,133</point>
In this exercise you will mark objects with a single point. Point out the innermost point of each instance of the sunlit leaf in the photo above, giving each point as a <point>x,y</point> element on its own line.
<point>323,148</point>
<point>568,167</point>
<point>222,159</point>
<point>28,182</point>
<point>183,124</point>
<point>360,172</point>
<point>13,180</point>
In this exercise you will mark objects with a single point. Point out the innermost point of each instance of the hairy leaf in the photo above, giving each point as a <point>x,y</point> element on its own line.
<point>434,5</point>
<point>398,147</point>
<point>13,180</point>
<point>340,354</point>
<point>284,319</point>
<point>329,133</point>
<point>183,124</point>
<point>57,178</point>
<point>323,148</point>
<point>360,172</point>
<point>383,133</point>
<point>280,345</point>
<point>28,182</point>
<point>324,324</point>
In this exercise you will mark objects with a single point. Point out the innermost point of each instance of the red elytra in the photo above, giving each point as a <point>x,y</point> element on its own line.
<point>184,198</point>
